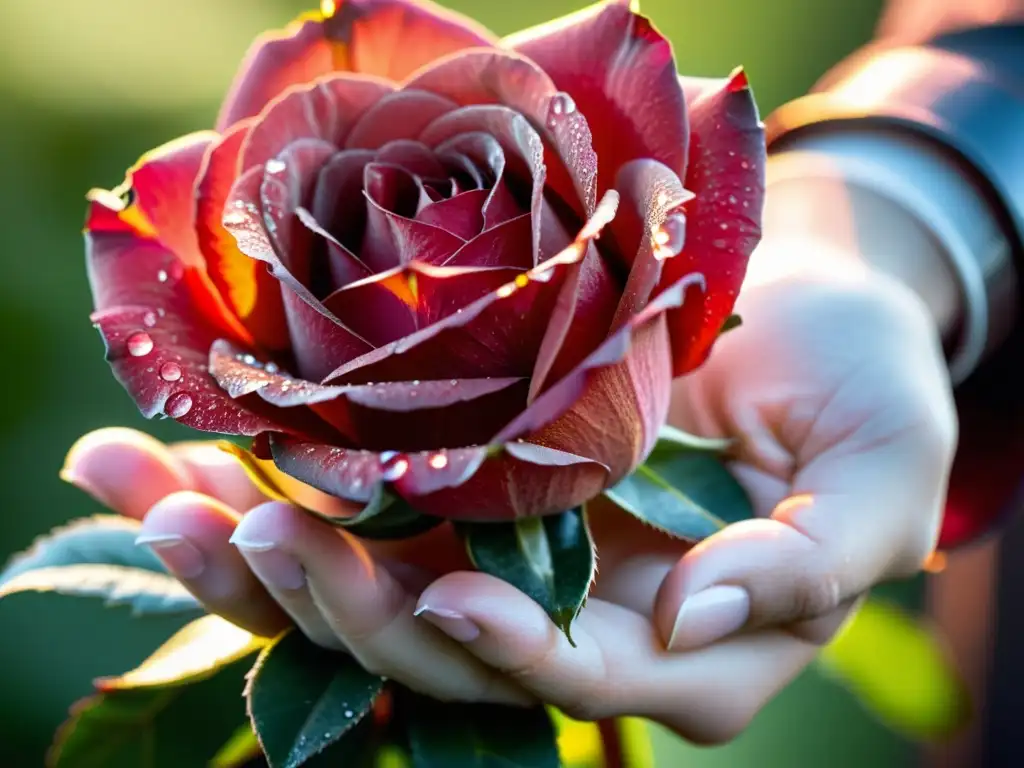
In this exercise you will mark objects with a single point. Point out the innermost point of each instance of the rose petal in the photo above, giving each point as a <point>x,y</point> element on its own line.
<point>726,171</point>
<point>392,239</point>
<point>524,158</point>
<point>461,215</point>
<point>158,346</point>
<point>409,415</point>
<point>612,405</point>
<point>248,289</point>
<point>398,115</point>
<point>345,266</point>
<point>484,151</point>
<point>389,38</point>
<point>461,484</point>
<point>478,77</point>
<point>155,203</point>
<point>649,226</point>
<point>326,109</point>
<point>340,208</point>
<point>392,305</point>
<point>318,338</point>
<point>414,156</point>
<point>497,335</point>
<point>617,67</point>
<point>506,245</point>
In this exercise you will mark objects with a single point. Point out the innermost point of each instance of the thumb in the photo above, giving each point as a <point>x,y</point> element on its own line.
<point>859,516</point>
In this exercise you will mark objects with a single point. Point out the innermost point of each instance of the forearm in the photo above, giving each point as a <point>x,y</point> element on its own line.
<point>851,202</point>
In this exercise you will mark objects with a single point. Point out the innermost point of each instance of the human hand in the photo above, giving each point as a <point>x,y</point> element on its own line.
<point>835,391</point>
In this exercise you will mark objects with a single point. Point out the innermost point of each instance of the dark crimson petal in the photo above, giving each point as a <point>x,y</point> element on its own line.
<point>726,172</point>
<point>579,320</point>
<point>339,205</point>
<point>394,304</point>
<point>288,184</point>
<point>155,203</point>
<point>648,230</point>
<point>326,109</point>
<point>497,335</point>
<point>389,38</point>
<point>391,238</point>
<point>620,71</point>
<point>319,341</point>
<point>398,115</point>
<point>612,405</point>
<point>158,347</point>
<point>345,266</point>
<point>461,484</point>
<point>501,77</point>
<point>524,157</point>
<point>248,289</point>
<point>408,415</point>
<point>484,151</point>
<point>461,215</point>
<point>415,157</point>
<point>506,245</point>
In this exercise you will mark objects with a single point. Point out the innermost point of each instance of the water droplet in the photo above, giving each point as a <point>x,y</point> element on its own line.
<point>454,382</point>
<point>393,466</point>
<point>234,218</point>
<point>416,382</point>
<point>744,165</point>
<point>170,372</point>
<point>732,199</point>
<point>162,275</point>
<point>249,359</point>
<point>723,226</point>
<point>139,344</point>
<point>562,104</point>
<point>271,368</point>
<point>161,311</point>
<point>438,461</point>
<point>149,319</point>
<point>275,166</point>
<point>178,404</point>
<point>506,290</point>
<point>349,713</point>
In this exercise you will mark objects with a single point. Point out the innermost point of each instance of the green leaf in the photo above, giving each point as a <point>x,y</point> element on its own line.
<point>684,488</point>
<point>151,727</point>
<point>731,322</point>
<point>145,591</point>
<point>303,698</point>
<point>551,559</point>
<point>385,516</point>
<point>241,749</point>
<point>899,670</point>
<point>97,540</point>
<point>193,653</point>
<point>445,735</point>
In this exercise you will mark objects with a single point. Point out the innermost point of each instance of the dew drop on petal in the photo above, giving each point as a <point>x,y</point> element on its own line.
<point>438,461</point>
<point>170,372</point>
<point>506,290</point>
<point>178,404</point>
<point>149,319</point>
<point>669,239</point>
<point>349,713</point>
<point>139,344</point>
<point>275,166</point>
<point>161,275</point>
<point>393,465</point>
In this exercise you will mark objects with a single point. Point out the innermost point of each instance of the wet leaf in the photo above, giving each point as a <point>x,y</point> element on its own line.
<point>551,559</point>
<point>444,735</point>
<point>303,699</point>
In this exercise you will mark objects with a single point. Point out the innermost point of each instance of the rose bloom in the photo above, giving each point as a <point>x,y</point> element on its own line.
<point>414,253</point>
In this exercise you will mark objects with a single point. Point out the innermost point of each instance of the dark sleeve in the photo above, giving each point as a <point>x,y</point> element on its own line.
<point>939,72</point>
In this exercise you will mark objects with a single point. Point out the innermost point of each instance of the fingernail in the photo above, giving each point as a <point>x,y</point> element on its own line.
<point>709,615</point>
<point>452,623</point>
<point>271,566</point>
<point>176,552</point>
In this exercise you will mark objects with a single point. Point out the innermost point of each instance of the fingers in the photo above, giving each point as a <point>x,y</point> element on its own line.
<point>620,666</point>
<point>341,597</point>
<point>866,515</point>
<point>189,532</point>
<point>125,470</point>
<point>218,474</point>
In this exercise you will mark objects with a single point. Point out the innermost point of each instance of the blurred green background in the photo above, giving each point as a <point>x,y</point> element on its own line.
<point>88,85</point>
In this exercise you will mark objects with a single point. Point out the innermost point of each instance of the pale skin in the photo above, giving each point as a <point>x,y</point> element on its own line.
<point>836,389</point>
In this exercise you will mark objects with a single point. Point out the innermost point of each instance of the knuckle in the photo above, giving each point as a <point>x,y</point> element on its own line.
<point>585,708</point>
<point>717,727</point>
<point>815,594</point>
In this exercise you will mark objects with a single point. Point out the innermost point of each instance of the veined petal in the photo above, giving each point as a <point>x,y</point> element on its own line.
<point>387,38</point>
<point>476,483</point>
<point>620,72</point>
<point>397,115</point>
<point>726,172</point>
<point>246,286</point>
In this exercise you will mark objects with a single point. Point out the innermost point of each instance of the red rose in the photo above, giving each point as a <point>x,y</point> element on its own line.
<point>386,262</point>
